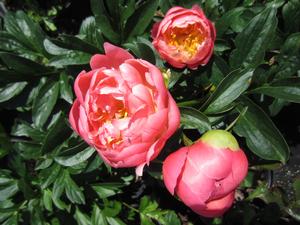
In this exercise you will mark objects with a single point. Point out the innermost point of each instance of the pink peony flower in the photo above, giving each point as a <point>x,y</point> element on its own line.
<point>205,175</point>
<point>123,109</point>
<point>185,37</point>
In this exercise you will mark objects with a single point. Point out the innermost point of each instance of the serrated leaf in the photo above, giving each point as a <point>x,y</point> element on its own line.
<point>73,160</point>
<point>230,88</point>
<point>9,91</point>
<point>252,42</point>
<point>262,136</point>
<point>44,103</point>
<point>194,119</point>
<point>285,89</point>
<point>139,21</point>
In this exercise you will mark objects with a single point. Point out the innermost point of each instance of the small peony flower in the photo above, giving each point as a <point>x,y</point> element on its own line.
<point>185,37</point>
<point>205,175</point>
<point>123,109</point>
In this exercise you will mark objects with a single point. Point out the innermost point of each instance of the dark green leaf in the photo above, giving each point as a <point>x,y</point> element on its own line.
<point>44,103</point>
<point>8,91</point>
<point>57,134</point>
<point>49,175</point>
<point>25,31</point>
<point>65,88</point>
<point>194,119</point>
<point>28,150</point>
<point>286,89</point>
<point>114,221</point>
<point>103,22</point>
<point>262,136</point>
<point>73,160</point>
<point>97,216</point>
<point>112,208</point>
<point>75,43</point>
<point>230,88</point>
<point>91,33</point>
<point>139,21</point>
<point>73,192</point>
<point>105,190</point>
<point>142,50</point>
<point>81,218</point>
<point>252,42</point>
<point>70,58</point>
<point>25,129</point>
<point>47,199</point>
<point>291,15</point>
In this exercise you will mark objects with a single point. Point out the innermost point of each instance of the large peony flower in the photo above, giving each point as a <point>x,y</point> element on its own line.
<point>205,175</point>
<point>185,37</point>
<point>123,109</point>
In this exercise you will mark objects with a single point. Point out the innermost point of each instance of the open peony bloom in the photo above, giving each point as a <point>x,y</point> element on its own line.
<point>205,175</point>
<point>185,37</point>
<point>123,109</point>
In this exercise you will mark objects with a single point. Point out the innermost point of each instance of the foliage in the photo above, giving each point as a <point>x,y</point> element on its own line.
<point>49,175</point>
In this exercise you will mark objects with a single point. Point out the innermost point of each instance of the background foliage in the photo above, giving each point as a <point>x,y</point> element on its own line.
<point>49,175</point>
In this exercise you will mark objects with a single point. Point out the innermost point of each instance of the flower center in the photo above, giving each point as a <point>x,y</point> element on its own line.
<point>186,39</point>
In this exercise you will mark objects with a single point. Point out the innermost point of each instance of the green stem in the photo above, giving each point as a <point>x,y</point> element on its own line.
<point>130,207</point>
<point>186,140</point>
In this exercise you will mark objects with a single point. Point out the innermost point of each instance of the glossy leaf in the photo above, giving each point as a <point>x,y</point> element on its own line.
<point>252,42</point>
<point>73,160</point>
<point>287,89</point>
<point>229,89</point>
<point>11,90</point>
<point>44,103</point>
<point>191,118</point>
<point>139,21</point>
<point>262,136</point>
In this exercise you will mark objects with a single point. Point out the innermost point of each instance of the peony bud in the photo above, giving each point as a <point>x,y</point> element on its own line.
<point>205,175</point>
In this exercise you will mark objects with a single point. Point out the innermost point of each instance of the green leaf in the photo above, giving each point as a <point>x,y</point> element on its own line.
<point>91,33</point>
<point>81,218</point>
<point>73,192</point>
<point>252,42</point>
<point>70,58</point>
<point>49,175</point>
<point>97,216</point>
<point>111,208</point>
<point>142,50</point>
<point>171,218</point>
<point>25,31</point>
<point>75,43</point>
<point>114,221</point>
<point>103,22</point>
<point>22,128</point>
<point>9,91</point>
<point>262,136</point>
<point>44,103</point>
<point>5,144</point>
<point>105,190</point>
<point>229,89</point>
<point>286,89</point>
<point>47,199</point>
<point>194,119</point>
<point>28,150</point>
<point>65,88</point>
<point>57,134</point>
<point>73,160</point>
<point>291,16</point>
<point>140,20</point>
<point>8,186</point>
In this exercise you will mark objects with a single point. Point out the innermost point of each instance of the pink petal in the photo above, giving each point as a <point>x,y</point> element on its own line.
<point>74,116</point>
<point>82,84</point>
<point>217,207</point>
<point>172,168</point>
<point>143,93</point>
<point>130,74</point>
<point>214,163</point>
<point>154,30</point>
<point>173,117</point>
